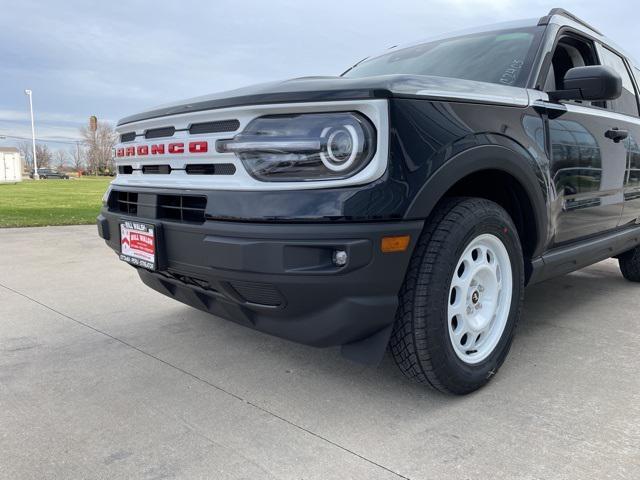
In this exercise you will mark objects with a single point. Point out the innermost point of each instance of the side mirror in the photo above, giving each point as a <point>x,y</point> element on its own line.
<point>594,83</point>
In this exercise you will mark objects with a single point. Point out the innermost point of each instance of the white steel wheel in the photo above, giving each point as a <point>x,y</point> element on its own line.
<point>480,297</point>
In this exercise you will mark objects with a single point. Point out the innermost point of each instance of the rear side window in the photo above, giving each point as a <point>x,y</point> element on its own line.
<point>627,102</point>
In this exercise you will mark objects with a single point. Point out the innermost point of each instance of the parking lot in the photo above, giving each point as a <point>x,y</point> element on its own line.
<point>101,377</point>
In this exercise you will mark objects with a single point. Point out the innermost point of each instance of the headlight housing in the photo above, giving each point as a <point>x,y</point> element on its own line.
<point>304,147</point>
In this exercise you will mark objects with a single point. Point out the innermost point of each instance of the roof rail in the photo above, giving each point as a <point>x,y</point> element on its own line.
<point>561,11</point>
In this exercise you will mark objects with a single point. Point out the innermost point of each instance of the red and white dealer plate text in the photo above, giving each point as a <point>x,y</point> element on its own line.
<point>138,244</point>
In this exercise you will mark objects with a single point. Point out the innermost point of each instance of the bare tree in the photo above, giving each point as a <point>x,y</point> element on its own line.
<point>100,145</point>
<point>77,155</point>
<point>43,155</point>
<point>27,153</point>
<point>61,159</point>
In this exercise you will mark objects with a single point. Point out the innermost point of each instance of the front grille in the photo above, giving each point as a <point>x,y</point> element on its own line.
<point>182,208</point>
<point>210,169</point>
<point>123,202</point>
<point>160,132</point>
<point>190,169</point>
<point>156,169</point>
<point>258,293</point>
<point>128,137</point>
<point>215,127</point>
<point>175,208</point>
<point>219,126</point>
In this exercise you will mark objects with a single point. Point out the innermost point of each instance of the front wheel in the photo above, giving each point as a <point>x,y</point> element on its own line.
<point>461,299</point>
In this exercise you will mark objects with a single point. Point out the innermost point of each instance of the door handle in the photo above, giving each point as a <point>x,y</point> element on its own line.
<point>616,134</point>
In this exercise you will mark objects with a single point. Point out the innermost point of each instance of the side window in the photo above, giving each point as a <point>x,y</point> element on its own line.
<point>627,103</point>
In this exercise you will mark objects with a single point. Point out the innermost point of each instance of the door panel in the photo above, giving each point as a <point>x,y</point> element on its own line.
<point>10,167</point>
<point>631,210</point>
<point>627,108</point>
<point>588,171</point>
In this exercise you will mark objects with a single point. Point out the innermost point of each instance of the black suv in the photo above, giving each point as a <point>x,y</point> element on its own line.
<point>403,205</point>
<point>45,173</point>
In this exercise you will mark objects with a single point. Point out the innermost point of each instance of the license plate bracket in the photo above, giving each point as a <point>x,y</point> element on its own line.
<point>138,244</point>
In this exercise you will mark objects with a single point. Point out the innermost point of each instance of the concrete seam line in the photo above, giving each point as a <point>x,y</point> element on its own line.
<point>202,380</point>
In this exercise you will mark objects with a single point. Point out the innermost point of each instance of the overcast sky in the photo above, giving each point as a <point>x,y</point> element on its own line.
<point>112,59</point>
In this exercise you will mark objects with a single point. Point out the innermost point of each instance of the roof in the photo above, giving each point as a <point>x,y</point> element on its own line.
<point>562,12</point>
<point>9,150</point>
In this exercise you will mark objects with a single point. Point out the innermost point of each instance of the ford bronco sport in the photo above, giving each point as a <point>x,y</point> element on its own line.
<point>403,205</point>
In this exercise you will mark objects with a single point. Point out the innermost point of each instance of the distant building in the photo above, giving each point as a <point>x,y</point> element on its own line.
<point>10,165</point>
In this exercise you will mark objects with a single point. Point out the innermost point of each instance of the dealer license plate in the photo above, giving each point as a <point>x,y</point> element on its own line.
<point>138,244</point>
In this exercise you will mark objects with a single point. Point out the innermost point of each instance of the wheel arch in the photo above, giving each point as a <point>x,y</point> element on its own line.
<point>497,173</point>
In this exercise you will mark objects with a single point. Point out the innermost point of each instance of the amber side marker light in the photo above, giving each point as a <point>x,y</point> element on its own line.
<point>395,244</point>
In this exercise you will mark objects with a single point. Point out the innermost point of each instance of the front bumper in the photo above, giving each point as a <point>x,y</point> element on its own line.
<point>280,278</point>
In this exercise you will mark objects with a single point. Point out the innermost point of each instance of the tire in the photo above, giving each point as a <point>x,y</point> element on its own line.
<point>630,264</point>
<point>427,342</point>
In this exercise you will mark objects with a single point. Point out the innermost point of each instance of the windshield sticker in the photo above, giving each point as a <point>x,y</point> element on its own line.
<point>510,75</point>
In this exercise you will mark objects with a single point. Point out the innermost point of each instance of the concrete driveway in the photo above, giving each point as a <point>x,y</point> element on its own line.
<point>101,377</point>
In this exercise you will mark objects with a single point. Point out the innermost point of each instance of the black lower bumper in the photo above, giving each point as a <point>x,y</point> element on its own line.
<point>281,278</point>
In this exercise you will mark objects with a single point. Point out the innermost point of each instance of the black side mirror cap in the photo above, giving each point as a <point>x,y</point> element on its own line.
<point>593,83</point>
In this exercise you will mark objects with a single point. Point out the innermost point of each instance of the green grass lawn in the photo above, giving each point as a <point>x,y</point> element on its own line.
<point>51,202</point>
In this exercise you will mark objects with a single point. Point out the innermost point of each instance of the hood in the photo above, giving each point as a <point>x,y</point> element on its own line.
<point>319,89</point>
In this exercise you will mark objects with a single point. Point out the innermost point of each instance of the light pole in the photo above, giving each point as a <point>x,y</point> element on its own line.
<point>33,136</point>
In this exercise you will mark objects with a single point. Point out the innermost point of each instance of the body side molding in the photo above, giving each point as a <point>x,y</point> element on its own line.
<point>569,258</point>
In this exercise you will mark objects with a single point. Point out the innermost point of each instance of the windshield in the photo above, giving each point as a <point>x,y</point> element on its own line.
<point>503,57</point>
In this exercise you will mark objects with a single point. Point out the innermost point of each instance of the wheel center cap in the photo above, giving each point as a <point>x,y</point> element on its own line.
<point>475,296</point>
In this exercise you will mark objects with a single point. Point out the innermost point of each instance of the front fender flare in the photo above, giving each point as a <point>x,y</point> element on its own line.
<point>480,158</point>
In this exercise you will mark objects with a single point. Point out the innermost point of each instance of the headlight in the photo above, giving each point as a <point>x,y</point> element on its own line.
<point>304,147</point>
